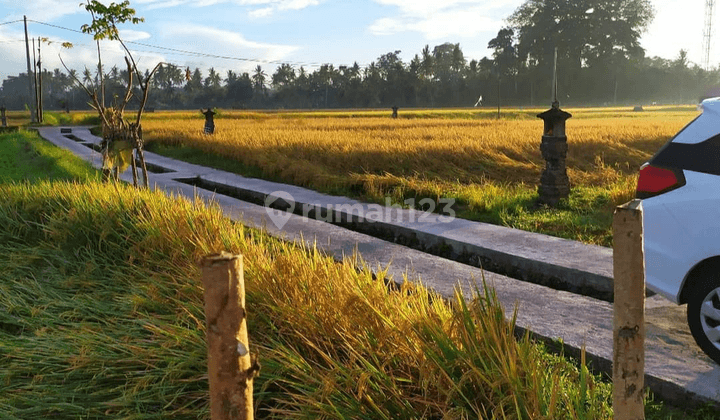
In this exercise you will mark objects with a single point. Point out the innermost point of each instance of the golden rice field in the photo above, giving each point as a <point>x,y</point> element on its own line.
<point>492,167</point>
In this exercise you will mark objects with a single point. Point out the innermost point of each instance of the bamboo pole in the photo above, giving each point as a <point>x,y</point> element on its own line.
<point>230,368</point>
<point>628,312</point>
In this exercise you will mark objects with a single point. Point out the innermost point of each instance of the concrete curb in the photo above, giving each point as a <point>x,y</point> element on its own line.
<point>571,266</point>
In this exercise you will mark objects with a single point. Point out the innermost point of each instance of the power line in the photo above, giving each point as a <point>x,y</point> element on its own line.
<point>194,53</point>
<point>56,26</point>
<point>223,56</point>
<point>8,23</point>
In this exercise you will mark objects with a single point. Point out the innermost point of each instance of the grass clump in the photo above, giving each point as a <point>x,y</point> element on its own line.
<point>102,317</point>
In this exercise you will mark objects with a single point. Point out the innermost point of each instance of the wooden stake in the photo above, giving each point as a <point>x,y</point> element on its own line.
<point>629,312</point>
<point>230,368</point>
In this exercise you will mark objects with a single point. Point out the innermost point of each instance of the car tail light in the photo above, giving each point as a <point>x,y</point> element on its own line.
<point>654,181</point>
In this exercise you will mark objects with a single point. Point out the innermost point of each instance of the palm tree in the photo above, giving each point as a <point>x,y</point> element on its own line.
<point>284,76</point>
<point>427,65</point>
<point>232,77</point>
<point>213,80</point>
<point>259,79</point>
<point>87,77</point>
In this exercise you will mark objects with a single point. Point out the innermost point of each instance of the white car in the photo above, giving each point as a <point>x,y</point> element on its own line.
<point>680,192</point>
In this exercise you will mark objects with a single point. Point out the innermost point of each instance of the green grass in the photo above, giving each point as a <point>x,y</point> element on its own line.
<point>25,156</point>
<point>55,118</point>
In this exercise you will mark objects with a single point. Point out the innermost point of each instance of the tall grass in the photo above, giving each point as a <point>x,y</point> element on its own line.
<point>102,317</point>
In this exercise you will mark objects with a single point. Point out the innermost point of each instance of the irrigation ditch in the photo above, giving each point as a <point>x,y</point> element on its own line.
<point>578,281</point>
<point>590,284</point>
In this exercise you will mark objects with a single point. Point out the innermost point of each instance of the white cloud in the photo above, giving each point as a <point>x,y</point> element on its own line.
<point>387,26</point>
<point>12,59</point>
<point>42,10</point>
<point>152,4</point>
<point>261,13</point>
<point>267,7</point>
<point>273,6</point>
<point>296,4</point>
<point>438,20</point>
<point>80,56</point>
<point>423,8</point>
<point>132,35</point>
<point>223,43</point>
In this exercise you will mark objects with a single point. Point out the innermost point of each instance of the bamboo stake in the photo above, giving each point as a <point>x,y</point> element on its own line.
<point>230,367</point>
<point>629,312</point>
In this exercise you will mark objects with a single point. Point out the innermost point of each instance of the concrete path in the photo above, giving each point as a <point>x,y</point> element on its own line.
<point>676,369</point>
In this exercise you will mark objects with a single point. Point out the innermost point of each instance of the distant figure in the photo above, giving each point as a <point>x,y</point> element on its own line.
<point>394,114</point>
<point>4,118</point>
<point>209,123</point>
<point>479,101</point>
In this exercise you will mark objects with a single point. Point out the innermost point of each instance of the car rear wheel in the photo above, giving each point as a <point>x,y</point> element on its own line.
<point>703,314</point>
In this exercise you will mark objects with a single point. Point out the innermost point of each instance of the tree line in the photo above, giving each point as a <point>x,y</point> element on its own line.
<point>599,60</point>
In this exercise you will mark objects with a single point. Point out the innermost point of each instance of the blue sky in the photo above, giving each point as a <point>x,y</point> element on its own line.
<point>301,32</point>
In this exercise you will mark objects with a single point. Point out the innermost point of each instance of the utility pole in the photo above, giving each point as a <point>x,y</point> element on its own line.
<point>555,102</point>
<point>39,78</point>
<point>707,33</point>
<point>498,92</point>
<point>35,82</point>
<point>30,84</point>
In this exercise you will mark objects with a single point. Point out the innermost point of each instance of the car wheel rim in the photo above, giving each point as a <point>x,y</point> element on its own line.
<point>710,317</point>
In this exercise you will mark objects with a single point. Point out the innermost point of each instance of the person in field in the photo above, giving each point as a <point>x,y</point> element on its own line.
<point>209,122</point>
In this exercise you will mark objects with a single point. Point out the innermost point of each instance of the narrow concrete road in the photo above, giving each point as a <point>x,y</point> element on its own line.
<point>676,369</point>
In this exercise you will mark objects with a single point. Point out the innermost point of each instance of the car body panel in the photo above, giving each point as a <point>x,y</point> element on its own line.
<point>682,226</point>
<point>681,229</point>
<point>701,128</point>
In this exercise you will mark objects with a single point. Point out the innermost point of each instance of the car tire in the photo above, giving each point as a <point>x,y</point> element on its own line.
<point>703,316</point>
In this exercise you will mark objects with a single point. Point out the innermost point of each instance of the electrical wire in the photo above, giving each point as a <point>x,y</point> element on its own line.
<point>195,53</point>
